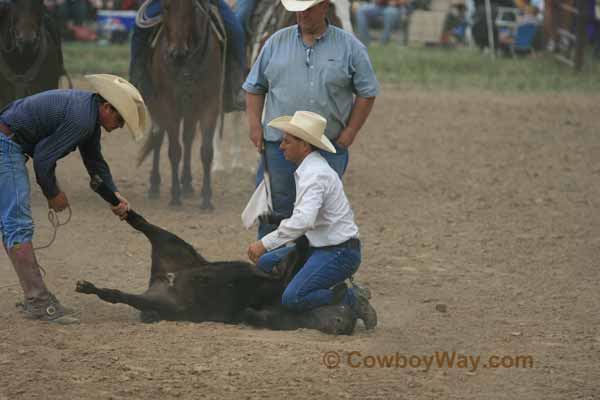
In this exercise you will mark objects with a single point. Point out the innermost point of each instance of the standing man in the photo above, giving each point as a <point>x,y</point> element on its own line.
<point>46,127</point>
<point>311,66</point>
<point>322,213</point>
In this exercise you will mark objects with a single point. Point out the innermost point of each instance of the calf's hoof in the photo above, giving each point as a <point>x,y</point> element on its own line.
<point>149,316</point>
<point>85,287</point>
<point>254,317</point>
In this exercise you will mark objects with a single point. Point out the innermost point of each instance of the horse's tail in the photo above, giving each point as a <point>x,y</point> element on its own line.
<point>154,138</point>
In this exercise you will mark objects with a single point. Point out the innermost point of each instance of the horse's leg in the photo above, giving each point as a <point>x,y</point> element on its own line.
<point>189,132</point>
<point>175,159</point>
<point>206,154</point>
<point>218,164</point>
<point>157,136</point>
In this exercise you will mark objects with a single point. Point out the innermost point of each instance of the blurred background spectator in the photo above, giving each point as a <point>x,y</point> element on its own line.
<point>77,19</point>
<point>524,38</point>
<point>389,14</point>
<point>455,24</point>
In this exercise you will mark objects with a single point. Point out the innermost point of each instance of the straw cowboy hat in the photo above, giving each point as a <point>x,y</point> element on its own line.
<point>305,125</point>
<point>299,5</point>
<point>123,96</point>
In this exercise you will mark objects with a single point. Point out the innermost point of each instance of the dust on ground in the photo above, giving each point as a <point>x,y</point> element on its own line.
<point>479,218</point>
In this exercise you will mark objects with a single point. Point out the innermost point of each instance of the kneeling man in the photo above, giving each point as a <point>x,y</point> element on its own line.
<point>322,213</point>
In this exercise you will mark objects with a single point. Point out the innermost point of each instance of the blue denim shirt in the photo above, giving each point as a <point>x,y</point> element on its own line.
<point>50,125</point>
<point>323,78</point>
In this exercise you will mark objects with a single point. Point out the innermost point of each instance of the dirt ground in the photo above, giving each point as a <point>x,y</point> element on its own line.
<point>479,218</point>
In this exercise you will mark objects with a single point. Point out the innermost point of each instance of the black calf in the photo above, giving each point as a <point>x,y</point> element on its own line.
<point>185,286</point>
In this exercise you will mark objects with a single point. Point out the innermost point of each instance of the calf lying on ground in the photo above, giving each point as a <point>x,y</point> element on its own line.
<point>185,286</point>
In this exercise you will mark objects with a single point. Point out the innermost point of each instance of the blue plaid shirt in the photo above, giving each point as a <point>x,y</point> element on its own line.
<point>50,125</point>
<point>323,78</point>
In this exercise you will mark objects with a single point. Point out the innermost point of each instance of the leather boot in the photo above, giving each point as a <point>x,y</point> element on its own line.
<point>39,303</point>
<point>27,268</point>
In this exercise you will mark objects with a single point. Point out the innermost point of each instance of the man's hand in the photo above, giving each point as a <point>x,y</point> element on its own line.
<point>122,208</point>
<point>59,202</point>
<point>254,110</point>
<point>256,250</point>
<point>346,137</point>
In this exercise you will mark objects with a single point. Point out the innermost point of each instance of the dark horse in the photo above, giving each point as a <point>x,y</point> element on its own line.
<point>30,59</point>
<point>186,74</point>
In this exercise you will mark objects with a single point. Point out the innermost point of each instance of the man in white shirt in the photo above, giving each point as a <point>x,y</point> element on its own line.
<point>322,213</point>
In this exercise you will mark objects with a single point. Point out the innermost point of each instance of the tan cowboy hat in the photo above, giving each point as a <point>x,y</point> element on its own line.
<point>299,5</point>
<point>126,99</point>
<point>305,125</point>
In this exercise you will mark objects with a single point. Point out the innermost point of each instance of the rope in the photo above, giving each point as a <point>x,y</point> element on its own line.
<point>143,21</point>
<point>55,222</point>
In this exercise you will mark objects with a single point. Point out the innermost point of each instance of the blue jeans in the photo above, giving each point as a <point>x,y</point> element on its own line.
<point>16,223</point>
<point>238,40</point>
<point>243,11</point>
<point>283,186</point>
<point>366,13</point>
<point>311,287</point>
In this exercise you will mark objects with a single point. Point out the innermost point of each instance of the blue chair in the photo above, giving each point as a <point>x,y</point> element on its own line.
<point>523,41</point>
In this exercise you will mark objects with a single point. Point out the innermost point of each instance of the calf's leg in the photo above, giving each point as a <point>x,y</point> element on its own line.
<point>151,300</point>
<point>333,319</point>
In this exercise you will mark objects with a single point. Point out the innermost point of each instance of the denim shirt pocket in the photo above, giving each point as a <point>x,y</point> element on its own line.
<point>335,75</point>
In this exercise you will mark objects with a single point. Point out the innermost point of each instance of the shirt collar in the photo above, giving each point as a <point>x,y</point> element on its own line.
<point>307,162</point>
<point>299,31</point>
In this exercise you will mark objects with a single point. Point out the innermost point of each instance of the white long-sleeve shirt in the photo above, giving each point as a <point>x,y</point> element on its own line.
<point>321,210</point>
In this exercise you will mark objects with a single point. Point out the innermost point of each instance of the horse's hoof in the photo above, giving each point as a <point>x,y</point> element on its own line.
<point>187,191</point>
<point>153,194</point>
<point>207,205</point>
<point>175,203</point>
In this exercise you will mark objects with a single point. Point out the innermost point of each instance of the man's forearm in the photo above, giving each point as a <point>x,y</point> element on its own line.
<point>360,112</point>
<point>254,109</point>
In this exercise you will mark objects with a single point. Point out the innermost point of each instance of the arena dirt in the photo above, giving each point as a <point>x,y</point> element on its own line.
<point>479,218</point>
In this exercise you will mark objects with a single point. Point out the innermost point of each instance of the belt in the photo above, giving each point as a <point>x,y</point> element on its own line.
<point>353,243</point>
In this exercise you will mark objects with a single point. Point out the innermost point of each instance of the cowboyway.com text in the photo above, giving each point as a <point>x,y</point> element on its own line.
<point>438,359</point>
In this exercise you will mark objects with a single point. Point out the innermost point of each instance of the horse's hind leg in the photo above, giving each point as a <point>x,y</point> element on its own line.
<point>189,132</point>
<point>175,159</point>
<point>158,135</point>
